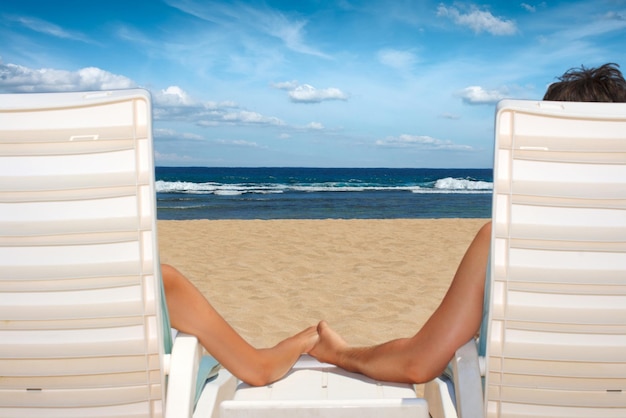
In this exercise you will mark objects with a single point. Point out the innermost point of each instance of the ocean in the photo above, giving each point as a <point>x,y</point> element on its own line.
<point>322,193</point>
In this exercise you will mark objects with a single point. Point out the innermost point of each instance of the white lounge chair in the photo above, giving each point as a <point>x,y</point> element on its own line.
<point>81,318</point>
<point>556,339</point>
<point>320,390</point>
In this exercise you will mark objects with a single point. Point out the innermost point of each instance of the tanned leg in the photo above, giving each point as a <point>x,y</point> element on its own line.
<point>425,355</point>
<point>191,312</point>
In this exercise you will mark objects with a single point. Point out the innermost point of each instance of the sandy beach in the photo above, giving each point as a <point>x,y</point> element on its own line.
<point>372,280</point>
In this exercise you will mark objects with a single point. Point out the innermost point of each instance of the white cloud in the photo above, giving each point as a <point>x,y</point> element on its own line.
<point>238,143</point>
<point>18,79</point>
<point>161,157</point>
<point>173,96</point>
<point>613,15</point>
<point>476,95</point>
<point>171,134</point>
<point>316,126</point>
<point>420,142</point>
<point>290,32</point>
<point>173,103</point>
<point>306,93</point>
<point>450,116</point>
<point>245,21</point>
<point>285,85</point>
<point>211,114</point>
<point>478,20</point>
<point>93,78</point>
<point>47,28</point>
<point>533,8</point>
<point>400,60</point>
<point>247,117</point>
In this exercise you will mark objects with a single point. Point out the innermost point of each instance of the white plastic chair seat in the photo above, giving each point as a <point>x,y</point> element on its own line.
<point>314,389</point>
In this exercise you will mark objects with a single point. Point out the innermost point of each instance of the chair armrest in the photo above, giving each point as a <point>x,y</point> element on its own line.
<point>183,369</point>
<point>438,394</point>
<point>467,381</point>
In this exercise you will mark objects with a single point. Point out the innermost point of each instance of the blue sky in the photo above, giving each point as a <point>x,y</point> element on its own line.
<point>341,83</point>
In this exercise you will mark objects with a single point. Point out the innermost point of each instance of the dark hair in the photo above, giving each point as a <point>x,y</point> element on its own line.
<point>602,84</point>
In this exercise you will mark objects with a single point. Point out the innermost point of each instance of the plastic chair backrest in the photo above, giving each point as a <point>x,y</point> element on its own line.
<point>81,326</point>
<point>557,323</point>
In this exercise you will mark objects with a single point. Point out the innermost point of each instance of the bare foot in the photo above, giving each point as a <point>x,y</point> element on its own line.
<point>309,337</point>
<point>329,346</point>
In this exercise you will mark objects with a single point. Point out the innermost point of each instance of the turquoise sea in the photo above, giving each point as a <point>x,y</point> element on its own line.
<point>322,193</point>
